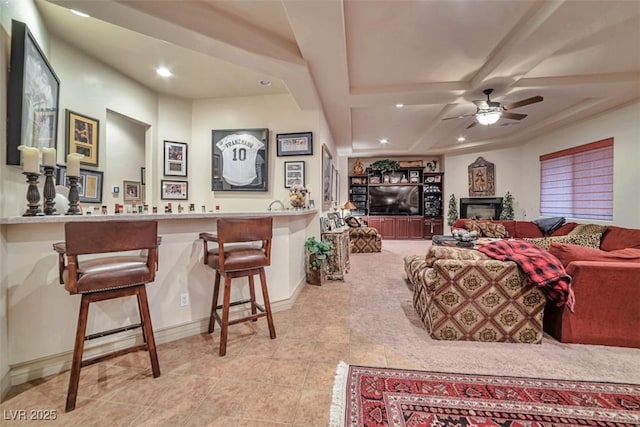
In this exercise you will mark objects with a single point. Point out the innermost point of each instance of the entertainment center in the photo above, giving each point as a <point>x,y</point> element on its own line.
<point>402,204</point>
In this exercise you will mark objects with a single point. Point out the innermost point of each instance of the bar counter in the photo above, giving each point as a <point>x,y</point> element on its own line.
<point>42,316</point>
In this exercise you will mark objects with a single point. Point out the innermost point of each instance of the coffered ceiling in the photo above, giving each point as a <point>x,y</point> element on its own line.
<point>357,59</point>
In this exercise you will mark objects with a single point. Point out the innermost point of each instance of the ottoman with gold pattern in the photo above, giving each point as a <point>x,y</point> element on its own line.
<point>476,300</point>
<point>365,240</point>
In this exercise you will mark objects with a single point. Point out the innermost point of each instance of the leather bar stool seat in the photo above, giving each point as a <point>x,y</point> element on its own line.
<point>108,277</point>
<point>243,250</point>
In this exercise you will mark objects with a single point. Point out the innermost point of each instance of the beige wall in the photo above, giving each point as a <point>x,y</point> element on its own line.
<point>517,169</point>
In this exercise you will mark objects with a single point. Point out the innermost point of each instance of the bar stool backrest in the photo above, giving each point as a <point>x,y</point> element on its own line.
<point>112,236</point>
<point>237,230</point>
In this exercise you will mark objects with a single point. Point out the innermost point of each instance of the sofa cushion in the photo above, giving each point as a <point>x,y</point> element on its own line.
<point>620,238</point>
<point>588,240</point>
<point>567,228</point>
<point>452,252</point>
<point>568,253</point>
<point>527,229</point>
<point>549,225</point>
<point>588,229</point>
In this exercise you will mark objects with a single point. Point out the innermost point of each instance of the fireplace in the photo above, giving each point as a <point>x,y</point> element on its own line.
<point>481,207</point>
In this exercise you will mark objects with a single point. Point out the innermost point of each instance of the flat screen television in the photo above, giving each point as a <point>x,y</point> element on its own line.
<point>395,200</point>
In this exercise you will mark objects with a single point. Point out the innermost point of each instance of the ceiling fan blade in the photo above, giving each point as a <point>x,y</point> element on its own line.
<point>522,103</point>
<point>482,104</point>
<point>459,117</point>
<point>472,125</point>
<point>513,116</point>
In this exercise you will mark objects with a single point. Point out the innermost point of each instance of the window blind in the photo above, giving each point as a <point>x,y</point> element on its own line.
<point>578,182</point>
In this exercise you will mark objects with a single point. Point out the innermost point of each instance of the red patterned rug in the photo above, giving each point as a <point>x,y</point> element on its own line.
<point>380,397</point>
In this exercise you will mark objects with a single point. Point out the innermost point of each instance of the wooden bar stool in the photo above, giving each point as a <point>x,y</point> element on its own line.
<point>104,278</point>
<point>244,260</point>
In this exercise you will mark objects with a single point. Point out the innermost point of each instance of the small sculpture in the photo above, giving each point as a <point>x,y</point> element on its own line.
<point>357,168</point>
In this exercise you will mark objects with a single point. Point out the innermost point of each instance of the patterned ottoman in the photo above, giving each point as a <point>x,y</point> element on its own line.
<point>475,299</point>
<point>365,240</point>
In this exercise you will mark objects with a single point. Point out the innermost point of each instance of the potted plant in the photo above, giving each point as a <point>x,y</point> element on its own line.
<point>452,213</point>
<point>507,207</point>
<point>383,167</point>
<point>317,252</point>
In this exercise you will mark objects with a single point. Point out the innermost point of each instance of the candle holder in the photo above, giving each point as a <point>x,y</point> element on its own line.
<point>33,195</point>
<point>49,191</point>
<point>74,198</point>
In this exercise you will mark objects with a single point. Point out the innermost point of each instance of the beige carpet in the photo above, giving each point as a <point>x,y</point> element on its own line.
<point>381,308</point>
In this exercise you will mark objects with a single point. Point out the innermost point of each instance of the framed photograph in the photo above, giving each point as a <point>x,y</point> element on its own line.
<point>174,190</point>
<point>32,96</point>
<point>293,174</point>
<point>143,176</point>
<point>240,160</point>
<point>175,158</point>
<point>481,178</point>
<point>89,184</point>
<point>131,191</point>
<point>326,178</point>
<point>82,137</point>
<point>294,144</point>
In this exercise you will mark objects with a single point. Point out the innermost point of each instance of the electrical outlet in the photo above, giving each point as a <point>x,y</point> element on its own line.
<point>184,300</point>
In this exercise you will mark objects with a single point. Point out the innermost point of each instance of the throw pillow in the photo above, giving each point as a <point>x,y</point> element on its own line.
<point>587,240</point>
<point>588,229</point>
<point>492,229</point>
<point>353,221</point>
<point>569,253</point>
<point>549,225</point>
<point>473,226</point>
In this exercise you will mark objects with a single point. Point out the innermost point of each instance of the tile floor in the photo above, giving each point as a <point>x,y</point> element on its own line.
<point>260,382</point>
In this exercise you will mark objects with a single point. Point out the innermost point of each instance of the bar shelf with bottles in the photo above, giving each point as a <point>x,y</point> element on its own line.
<point>433,191</point>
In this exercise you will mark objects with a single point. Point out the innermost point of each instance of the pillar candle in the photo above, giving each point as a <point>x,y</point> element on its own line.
<point>49,156</point>
<point>73,164</point>
<point>30,159</point>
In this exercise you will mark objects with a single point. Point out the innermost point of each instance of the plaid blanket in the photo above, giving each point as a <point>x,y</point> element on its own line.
<point>539,266</point>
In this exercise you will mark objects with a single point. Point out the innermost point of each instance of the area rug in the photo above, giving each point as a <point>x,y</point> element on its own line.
<point>381,397</point>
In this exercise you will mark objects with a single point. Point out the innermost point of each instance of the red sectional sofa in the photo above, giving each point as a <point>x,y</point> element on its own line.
<point>606,283</point>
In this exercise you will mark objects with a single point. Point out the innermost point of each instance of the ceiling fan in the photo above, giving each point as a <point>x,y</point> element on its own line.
<point>488,112</point>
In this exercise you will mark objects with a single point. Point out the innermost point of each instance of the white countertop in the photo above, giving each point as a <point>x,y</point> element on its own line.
<point>46,219</point>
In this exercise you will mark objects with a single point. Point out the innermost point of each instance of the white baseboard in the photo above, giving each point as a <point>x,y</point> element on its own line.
<point>54,364</point>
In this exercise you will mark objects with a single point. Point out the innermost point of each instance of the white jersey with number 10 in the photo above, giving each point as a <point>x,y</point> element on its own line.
<point>239,158</point>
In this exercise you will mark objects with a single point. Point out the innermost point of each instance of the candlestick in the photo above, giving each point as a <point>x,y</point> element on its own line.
<point>73,195</point>
<point>49,191</point>
<point>49,156</point>
<point>33,195</point>
<point>73,164</point>
<point>30,159</point>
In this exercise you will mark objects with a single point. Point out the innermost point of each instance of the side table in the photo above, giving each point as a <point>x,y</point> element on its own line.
<point>338,263</point>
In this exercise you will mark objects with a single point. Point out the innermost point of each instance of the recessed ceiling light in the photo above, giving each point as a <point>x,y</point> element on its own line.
<point>384,141</point>
<point>265,82</point>
<point>399,105</point>
<point>461,139</point>
<point>80,14</point>
<point>163,71</point>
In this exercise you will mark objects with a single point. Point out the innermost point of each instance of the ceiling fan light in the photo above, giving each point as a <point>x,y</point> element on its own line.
<point>488,118</point>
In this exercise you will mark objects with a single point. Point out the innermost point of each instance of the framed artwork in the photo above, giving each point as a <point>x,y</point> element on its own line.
<point>240,160</point>
<point>131,191</point>
<point>175,158</point>
<point>335,183</point>
<point>82,137</point>
<point>89,184</point>
<point>293,174</point>
<point>32,96</point>
<point>294,144</point>
<point>326,177</point>
<point>174,190</point>
<point>481,178</point>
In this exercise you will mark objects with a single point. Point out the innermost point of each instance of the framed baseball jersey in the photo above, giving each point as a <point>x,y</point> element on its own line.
<point>240,160</point>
